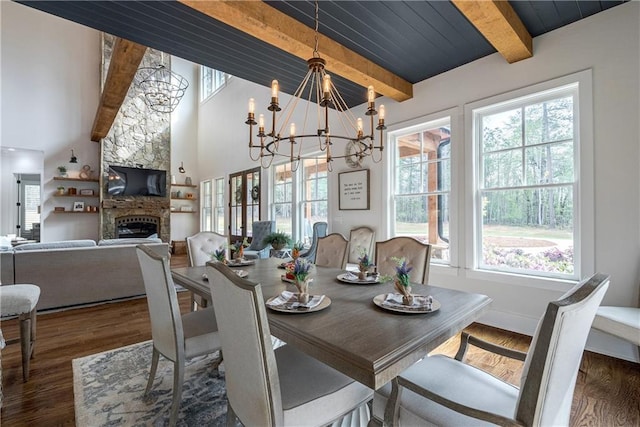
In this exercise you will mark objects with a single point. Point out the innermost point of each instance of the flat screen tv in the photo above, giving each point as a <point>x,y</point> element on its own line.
<point>125,181</point>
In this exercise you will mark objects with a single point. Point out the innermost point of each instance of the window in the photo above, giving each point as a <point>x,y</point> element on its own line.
<point>300,198</point>
<point>422,184</point>
<point>527,201</point>
<point>206,218</point>
<point>211,81</point>
<point>218,213</point>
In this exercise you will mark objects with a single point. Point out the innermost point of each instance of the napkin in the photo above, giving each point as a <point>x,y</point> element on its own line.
<point>420,302</point>
<point>289,300</point>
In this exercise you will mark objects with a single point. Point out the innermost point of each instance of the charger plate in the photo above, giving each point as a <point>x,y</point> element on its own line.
<point>379,301</point>
<point>326,302</point>
<point>347,278</point>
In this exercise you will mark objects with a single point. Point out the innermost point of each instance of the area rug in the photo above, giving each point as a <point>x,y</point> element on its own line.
<point>109,390</point>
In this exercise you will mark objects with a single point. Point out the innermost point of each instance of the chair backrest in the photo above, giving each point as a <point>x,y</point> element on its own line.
<point>260,230</point>
<point>361,238</point>
<point>251,373</point>
<point>416,253</point>
<point>551,367</point>
<point>164,310</point>
<point>201,246</point>
<point>331,251</point>
<point>319,230</point>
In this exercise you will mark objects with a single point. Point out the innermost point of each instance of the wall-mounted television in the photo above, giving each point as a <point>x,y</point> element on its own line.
<point>126,181</point>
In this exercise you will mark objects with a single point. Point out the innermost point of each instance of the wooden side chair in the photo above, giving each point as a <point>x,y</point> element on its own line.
<point>267,387</point>
<point>177,337</point>
<point>20,300</point>
<point>332,251</point>
<point>416,253</point>
<point>444,391</point>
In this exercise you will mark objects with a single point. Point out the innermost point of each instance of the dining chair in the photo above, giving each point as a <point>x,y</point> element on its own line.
<point>319,230</point>
<point>622,322</point>
<point>259,249</point>
<point>331,251</point>
<point>360,239</point>
<point>176,337</point>
<point>446,391</point>
<point>201,245</point>
<point>416,253</point>
<point>267,387</point>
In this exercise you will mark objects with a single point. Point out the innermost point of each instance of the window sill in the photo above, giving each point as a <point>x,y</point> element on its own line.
<point>548,283</point>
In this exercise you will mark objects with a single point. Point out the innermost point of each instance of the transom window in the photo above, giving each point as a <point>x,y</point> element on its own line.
<point>211,81</point>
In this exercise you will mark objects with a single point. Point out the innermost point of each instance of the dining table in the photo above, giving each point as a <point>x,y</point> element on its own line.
<point>364,340</point>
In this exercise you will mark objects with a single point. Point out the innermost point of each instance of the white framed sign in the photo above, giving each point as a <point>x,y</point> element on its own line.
<point>354,190</point>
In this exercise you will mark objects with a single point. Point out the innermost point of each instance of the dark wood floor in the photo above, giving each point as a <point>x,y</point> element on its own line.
<point>606,390</point>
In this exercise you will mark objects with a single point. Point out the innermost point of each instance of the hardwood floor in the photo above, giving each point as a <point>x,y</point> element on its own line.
<point>606,390</point>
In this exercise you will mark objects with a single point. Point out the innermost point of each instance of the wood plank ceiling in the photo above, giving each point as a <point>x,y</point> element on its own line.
<point>409,41</point>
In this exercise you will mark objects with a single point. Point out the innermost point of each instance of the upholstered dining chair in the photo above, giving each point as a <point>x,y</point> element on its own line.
<point>361,238</point>
<point>267,387</point>
<point>176,337</point>
<point>259,249</point>
<point>331,251</point>
<point>201,245</point>
<point>319,230</point>
<point>416,253</point>
<point>21,300</point>
<point>440,390</point>
<point>622,322</point>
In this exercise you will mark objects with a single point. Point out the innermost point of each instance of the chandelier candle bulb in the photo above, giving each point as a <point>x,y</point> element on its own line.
<point>292,131</point>
<point>252,106</point>
<point>371,96</point>
<point>360,127</point>
<point>261,125</point>
<point>274,90</point>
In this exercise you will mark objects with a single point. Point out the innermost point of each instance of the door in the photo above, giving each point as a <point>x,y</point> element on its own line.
<point>244,203</point>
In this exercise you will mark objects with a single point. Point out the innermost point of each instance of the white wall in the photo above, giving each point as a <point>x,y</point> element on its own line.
<point>594,43</point>
<point>50,92</point>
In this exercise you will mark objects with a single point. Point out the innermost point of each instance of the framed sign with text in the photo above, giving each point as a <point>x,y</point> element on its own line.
<point>354,190</point>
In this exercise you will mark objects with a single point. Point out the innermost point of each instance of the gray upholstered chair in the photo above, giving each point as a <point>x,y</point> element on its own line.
<point>441,390</point>
<point>416,253</point>
<point>319,230</point>
<point>177,337</point>
<point>20,300</point>
<point>332,251</point>
<point>267,387</point>
<point>201,245</point>
<point>259,249</point>
<point>360,239</point>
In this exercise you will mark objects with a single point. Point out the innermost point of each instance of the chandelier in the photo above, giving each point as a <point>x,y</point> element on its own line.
<point>162,88</point>
<point>286,140</point>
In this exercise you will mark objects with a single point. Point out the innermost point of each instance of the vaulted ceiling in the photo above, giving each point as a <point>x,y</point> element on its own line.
<point>392,44</point>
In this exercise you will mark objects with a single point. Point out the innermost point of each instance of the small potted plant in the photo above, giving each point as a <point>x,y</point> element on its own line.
<point>401,280</point>
<point>299,269</point>
<point>60,190</point>
<point>220,254</point>
<point>364,264</point>
<point>277,239</point>
<point>62,170</point>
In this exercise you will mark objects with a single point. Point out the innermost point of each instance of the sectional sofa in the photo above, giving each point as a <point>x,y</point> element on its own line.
<point>78,272</point>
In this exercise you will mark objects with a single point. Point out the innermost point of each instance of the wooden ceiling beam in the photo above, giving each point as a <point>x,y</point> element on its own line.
<point>268,24</point>
<point>500,25</point>
<point>125,59</point>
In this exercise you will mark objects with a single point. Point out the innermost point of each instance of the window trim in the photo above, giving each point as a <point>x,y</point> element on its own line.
<point>227,78</point>
<point>584,244</point>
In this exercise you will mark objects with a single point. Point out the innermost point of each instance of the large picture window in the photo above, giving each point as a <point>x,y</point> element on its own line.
<point>422,185</point>
<point>527,198</point>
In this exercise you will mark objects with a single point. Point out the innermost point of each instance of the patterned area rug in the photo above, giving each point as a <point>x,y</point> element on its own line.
<point>109,389</point>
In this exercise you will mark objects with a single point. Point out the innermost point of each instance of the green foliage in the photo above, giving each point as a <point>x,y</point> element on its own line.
<point>277,238</point>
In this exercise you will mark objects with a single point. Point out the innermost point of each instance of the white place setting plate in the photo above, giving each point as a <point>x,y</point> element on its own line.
<point>240,263</point>
<point>286,302</point>
<point>383,302</point>
<point>353,278</point>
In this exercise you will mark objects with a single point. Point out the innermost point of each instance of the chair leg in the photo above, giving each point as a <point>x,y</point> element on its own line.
<point>27,341</point>
<point>152,372</point>
<point>178,377</point>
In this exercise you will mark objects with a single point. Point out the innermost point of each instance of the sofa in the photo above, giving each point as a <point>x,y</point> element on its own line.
<point>78,272</point>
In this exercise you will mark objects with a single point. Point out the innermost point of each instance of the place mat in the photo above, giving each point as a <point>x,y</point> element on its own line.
<point>288,302</point>
<point>240,263</point>
<point>393,302</point>
<point>350,277</point>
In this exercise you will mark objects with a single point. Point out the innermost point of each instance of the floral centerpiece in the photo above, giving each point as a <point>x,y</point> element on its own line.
<point>295,251</point>
<point>364,264</point>
<point>220,254</point>
<point>238,248</point>
<point>299,270</point>
<point>401,280</point>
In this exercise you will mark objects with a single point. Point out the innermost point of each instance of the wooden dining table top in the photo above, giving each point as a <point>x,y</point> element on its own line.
<point>353,335</point>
